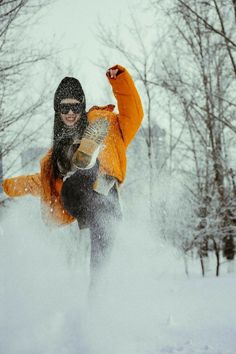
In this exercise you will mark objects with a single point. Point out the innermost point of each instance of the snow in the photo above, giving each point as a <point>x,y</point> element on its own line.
<point>143,303</point>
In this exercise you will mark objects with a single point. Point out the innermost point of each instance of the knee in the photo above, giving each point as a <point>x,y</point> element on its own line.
<point>72,196</point>
<point>76,197</point>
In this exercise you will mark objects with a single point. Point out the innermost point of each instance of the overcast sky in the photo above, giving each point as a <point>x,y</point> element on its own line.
<point>72,25</point>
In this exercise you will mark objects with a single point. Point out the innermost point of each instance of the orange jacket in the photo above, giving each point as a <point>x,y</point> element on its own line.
<point>122,128</point>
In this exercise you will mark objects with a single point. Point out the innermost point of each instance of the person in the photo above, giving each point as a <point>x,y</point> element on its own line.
<point>80,176</point>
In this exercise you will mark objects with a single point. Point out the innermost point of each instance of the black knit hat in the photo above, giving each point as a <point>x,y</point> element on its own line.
<point>69,87</point>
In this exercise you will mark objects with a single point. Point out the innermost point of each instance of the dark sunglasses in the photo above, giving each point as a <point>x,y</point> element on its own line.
<point>66,107</point>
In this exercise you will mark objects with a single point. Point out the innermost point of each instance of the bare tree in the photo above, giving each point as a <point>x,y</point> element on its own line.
<point>205,90</point>
<point>16,60</point>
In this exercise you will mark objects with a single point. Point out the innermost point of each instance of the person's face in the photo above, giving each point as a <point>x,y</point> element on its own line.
<point>70,113</point>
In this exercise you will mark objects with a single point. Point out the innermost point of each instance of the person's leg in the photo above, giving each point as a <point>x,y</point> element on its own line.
<point>101,234</point>
<point>77,194</point>
<point>95,211</point>
<point>105,217</point>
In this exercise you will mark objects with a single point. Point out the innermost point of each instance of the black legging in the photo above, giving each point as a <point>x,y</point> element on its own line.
<point>92,210</point>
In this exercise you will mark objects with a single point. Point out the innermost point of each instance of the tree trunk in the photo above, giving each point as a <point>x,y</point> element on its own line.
<point>217,253</point>
<point>186,265</point>
<point>202,265</point>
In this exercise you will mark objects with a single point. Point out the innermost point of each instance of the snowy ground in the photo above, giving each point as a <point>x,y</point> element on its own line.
<point>144,303</point>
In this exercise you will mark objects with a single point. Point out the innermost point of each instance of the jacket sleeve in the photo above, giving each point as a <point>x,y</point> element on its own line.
<point>23,185</point>
<point>129,104</point>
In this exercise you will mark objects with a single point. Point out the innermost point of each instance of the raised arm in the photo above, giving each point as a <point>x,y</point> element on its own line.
<point>128,100</point>
<point>23,185</point>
